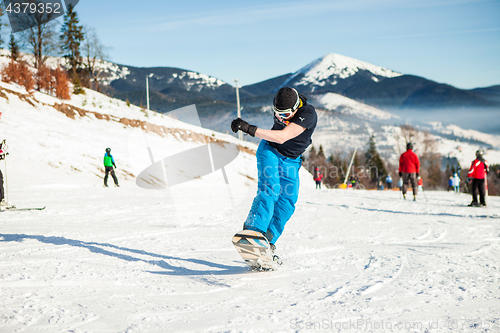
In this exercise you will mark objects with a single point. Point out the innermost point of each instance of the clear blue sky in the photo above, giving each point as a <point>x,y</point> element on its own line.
<point>449,41</point>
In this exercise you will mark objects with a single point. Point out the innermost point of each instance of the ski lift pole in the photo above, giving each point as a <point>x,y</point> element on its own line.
<point>238,108</point>
<point>349,169</point>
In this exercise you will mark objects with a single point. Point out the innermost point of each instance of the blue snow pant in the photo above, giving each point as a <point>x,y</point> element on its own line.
<point>278,191</point>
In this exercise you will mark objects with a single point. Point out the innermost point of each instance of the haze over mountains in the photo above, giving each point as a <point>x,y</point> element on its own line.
<point>335,73</point>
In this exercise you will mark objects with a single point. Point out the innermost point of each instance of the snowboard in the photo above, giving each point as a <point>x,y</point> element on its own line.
<point>14,209</point>
<point>255,249</point>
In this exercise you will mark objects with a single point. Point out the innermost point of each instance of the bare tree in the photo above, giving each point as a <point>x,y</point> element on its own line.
<point>94,55</point>
<point>39,34</point>
<point>408,134</point>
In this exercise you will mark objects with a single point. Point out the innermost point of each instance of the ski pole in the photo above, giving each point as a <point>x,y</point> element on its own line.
<point>486,195</point>
<point>6,179</point>
<point>97,181</point>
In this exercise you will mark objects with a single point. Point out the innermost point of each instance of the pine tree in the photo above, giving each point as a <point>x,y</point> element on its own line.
<point>321,153</point>
<point>374,162</point>
<point>312,153</point>
<point>1,24</point>
<point>14,48</point>
<point>71,37</point>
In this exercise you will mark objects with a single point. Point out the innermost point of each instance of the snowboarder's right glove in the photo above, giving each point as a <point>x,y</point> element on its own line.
<point>240,124</point>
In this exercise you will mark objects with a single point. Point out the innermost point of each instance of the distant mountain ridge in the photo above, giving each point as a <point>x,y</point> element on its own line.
<point>384,88</point>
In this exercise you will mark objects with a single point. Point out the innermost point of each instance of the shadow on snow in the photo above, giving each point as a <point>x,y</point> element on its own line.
<point>405,213</point>
<point>218,269</point>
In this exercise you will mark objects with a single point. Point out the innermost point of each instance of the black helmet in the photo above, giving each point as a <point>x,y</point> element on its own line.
<point>108,150</point>
<point>409,145</point>
<point>287,99</point>
<point>479,153</point>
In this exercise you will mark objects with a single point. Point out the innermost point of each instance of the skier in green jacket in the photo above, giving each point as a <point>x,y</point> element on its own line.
<point>109,163</point>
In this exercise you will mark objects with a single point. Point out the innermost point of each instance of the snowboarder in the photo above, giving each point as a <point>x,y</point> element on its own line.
<point>109,163</point>
<point>409,167</point>
<point>318,176</point>
<point>477,173</point>
<point>456,183</point>
<point>278,162</point>
<point>388,181</point>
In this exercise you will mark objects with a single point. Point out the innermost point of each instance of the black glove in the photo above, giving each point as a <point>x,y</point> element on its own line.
<point>400,174</point>
<point>417,174</point>
<point>240,124</point>
<point>114,165</point>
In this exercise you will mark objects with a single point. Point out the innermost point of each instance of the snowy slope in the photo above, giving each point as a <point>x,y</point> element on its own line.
<point>50,137</point>
<point>344,105</point>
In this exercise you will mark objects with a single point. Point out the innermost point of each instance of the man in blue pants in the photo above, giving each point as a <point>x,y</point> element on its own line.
<point>278,162</point>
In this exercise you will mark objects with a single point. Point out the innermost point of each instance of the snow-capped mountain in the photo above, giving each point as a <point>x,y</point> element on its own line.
<point>334,69</point>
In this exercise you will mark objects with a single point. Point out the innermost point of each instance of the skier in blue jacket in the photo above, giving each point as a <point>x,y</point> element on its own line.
<point>278,162</point>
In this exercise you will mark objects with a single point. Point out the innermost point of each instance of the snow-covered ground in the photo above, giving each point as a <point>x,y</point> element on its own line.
<point>134,260</point>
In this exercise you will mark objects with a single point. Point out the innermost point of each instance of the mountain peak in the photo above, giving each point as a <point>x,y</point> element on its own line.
<point>336,66</point>
<point>332,68</point>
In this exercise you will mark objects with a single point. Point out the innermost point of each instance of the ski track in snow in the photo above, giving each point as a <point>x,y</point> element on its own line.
<point>350,257</point>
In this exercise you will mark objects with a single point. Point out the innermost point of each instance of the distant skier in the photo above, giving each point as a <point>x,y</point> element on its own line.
<point>409,167</point>
<point>279,161</point>
<point>420,184</point>
<point>477,173</point>
<point>456,183</point>
<point>109,163</point>
<point>450,184</point>
<point>354,181</point>
<point>3,154</point>
<point>388,182</point>
<point>318,176</point>
<point>400,184</point>
<point>380,185</point>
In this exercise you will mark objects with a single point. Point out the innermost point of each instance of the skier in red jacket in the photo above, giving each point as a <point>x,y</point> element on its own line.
<point>409,167</point>
<point>477,173</point>
<point>318,176</point>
